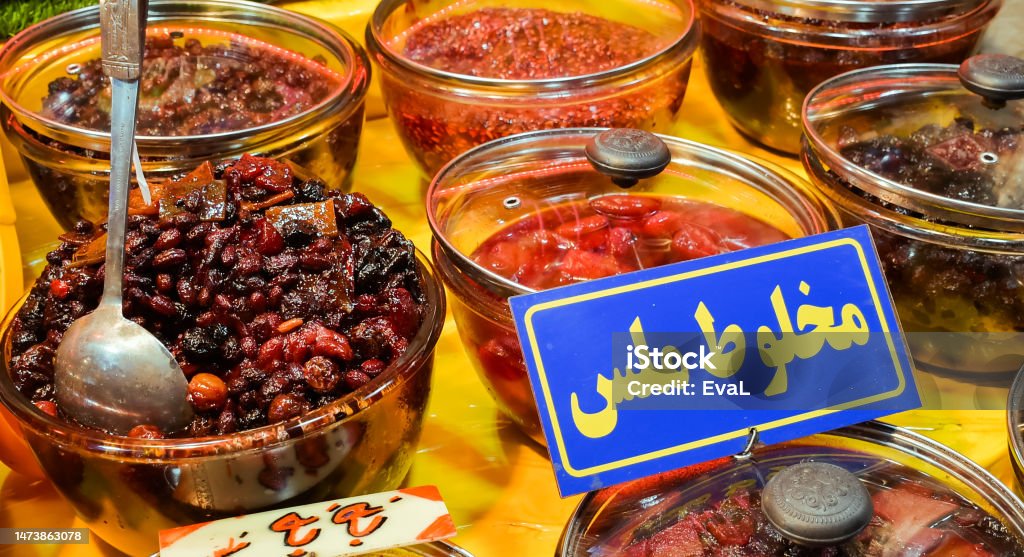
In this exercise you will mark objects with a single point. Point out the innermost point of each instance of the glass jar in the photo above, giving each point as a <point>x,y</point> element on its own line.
<point>60,133</point>
<point>927,501</point>
<point>128,489</point>
<point>529,212</point>
<point>910,152</point>
<point>763,57</point>
<point>440,114</point>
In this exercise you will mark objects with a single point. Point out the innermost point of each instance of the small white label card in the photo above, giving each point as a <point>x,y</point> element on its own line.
<point>351,526</point>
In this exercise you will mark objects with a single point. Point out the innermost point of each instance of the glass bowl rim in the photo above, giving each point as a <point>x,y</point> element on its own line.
<point>351,89</point>
<point>411,362</point>
<point>683,48</point>
<point>867,11</point>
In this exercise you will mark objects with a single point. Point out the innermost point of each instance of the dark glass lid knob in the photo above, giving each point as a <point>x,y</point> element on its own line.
<point>627,155</point>
<point>996,77</point>
<point>817,504</point>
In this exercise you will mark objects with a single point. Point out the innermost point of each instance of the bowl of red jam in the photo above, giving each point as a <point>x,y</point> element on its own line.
<point>304,322</point>
<point>530,212</point>
<point>458,74</point>
<point>219,79</point>
<point>922,499</point>
<point>763,57</point>
<point>932,168</point>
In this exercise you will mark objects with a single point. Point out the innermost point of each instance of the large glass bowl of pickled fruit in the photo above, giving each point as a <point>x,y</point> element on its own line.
<point>763,57</point>
<point>530,212</point>
<point>917,498</point>
<point>219,79</point>
<point>934,170</point>
<point>305,325</point>
<point>456,74</point>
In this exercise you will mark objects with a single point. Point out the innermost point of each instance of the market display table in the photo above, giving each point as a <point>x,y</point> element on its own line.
<point>497,483</point>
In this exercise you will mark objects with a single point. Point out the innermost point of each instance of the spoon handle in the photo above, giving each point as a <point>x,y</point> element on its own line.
<point>123,28</point>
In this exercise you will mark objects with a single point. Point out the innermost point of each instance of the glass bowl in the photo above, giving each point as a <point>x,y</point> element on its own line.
<point>899,467</point>
<point>439,114</point>
<point>514,184</point>
<point>762,57</point>
<point>69,164</point>
<point>1015,425</point>
<point>953,258</point>
<point>127,489</point>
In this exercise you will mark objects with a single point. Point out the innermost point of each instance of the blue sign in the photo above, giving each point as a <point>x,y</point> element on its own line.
<point>662,368</point>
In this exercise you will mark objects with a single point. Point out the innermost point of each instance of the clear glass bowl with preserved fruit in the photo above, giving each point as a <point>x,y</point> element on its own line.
<point>458,74</point>
<point>219,79</point>
<point>305,324</point>
<point>529,212</point>
<point>932,169</point>
<point>763,57</point>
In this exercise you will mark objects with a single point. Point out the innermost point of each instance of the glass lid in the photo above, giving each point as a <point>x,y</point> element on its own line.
<point>205,76</point>
<point>868,490</point>
<point>914,136</point>
<point>544,209</point>
<point>866,11</point>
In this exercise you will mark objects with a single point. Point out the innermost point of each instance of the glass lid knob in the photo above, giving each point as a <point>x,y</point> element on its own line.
<point>627,155</point>
<point>996,77</point>
<point>817,504</point>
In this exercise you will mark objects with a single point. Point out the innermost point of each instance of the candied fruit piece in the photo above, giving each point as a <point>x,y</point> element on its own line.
<point>625,206</point>
<point>693,241</point>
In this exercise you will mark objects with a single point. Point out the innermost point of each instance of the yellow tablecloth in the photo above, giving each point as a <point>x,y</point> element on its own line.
<point>498,485</point>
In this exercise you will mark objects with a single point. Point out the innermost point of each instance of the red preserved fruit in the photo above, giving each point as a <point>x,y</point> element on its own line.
<point>207,392</point>
<point>625,206</point>
<point>502,358</point>
<point>571,243</point>
<point>530,44</point>
<point>146,431</point>
<point>250,313</point>
<point>47,407</point>
<point>693,241</point>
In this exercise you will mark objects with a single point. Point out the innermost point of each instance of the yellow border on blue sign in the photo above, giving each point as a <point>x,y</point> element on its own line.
<point>546,391</point>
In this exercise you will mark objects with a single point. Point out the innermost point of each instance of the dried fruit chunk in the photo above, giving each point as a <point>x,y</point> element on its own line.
<point>198,193</point>
<point>319,216</point>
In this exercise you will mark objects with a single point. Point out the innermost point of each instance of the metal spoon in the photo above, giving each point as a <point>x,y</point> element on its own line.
<point>111,373</point>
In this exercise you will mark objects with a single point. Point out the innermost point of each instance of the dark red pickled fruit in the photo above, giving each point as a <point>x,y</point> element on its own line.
<point>961,153</point>
<point>355,379</point>
<point>575,230</point>
<point>254,322</point>
<point>373,367</point>
<point>679,540</point>
<point>502,358</point>
<point>624,206</point>
<point>734,529</point>
<point>264,173</point>
<point>268,240</point>
<point>322,374</point>
<point>207,392</point>
<point>47,407</point>
<point>693,241</point>
<point>145,431</point>
<point>663,224</point>
<point>286,406</point>
<point>60,288</point>
<point>621,242</point>
<point>504,258</point>
<point>585,265</point>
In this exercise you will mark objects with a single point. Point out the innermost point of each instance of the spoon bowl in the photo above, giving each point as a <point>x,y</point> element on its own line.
<point>132,378</point>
